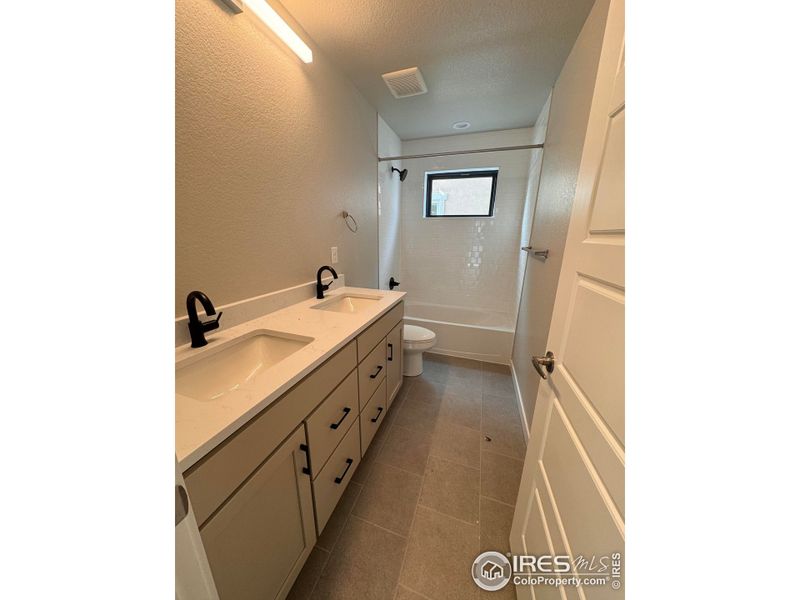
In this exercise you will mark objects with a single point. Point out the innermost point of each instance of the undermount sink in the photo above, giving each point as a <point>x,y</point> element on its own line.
<point>240,364</point>
<point>348,303</point>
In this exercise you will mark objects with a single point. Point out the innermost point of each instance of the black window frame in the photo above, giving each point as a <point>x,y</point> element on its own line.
<point>472,173</point>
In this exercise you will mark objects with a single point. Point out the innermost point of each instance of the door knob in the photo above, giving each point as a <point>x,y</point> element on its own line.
<point>547,361</point>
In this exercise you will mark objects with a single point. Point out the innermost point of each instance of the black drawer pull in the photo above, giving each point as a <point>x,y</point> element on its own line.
<point>378,416</point>
<point>307,468</point>
<point>375,374</point>
<point>391,352</point>
<point>340,478</point>
<point>346,411</point>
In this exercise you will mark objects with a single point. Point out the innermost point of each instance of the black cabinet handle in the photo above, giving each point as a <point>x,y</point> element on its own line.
<point>346,411</point>
<point>375,374</point>
<point>340,478</point>
<point>391,352</point>
<point>378,416</point>
<point>307,468</point>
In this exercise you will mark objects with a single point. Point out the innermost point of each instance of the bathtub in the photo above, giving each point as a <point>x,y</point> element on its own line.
<point>465,332</point>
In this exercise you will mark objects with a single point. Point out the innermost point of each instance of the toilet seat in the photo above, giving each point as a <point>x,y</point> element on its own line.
<point>415,336</point>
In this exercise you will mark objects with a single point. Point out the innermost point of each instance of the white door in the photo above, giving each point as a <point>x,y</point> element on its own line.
<point>572,494</point>
<point>193,579</point>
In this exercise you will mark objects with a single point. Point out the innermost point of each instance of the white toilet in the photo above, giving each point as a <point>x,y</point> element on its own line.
<point>416,340</point>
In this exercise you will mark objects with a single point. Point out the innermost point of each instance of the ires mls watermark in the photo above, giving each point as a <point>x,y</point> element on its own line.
<point>492,571</point>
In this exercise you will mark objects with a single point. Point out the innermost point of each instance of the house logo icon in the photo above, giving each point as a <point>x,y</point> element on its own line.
<point>491,571</point>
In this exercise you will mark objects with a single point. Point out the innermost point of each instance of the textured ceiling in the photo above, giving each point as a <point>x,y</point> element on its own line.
<point>489,62</point>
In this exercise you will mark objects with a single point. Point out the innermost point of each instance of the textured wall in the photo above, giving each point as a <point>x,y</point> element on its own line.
<point>566,130</point>
<point>467,262</point>
<point>389,229</point>
<point>268,152</point>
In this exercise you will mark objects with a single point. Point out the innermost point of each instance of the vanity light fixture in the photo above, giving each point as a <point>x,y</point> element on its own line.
<point>275,22</point>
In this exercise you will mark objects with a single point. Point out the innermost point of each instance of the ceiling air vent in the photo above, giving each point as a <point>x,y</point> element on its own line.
<point>405,83</point>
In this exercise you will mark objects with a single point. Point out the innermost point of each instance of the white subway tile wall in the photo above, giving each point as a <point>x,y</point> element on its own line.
<point>466,262</point>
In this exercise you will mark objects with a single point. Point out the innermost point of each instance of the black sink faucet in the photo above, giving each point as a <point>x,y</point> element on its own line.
<point>320,287</point>
<point>197,328</point>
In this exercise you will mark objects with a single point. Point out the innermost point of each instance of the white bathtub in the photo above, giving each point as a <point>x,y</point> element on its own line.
<point>465,332</point>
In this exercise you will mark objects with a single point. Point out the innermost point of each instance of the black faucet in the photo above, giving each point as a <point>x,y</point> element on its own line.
<point>392,283</point>
<point>320,287</point>
<point>197,328</point>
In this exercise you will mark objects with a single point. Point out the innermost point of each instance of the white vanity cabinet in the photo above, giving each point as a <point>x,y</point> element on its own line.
<point>258,541</point>
<point>394,363</point>
<point>264,494</point>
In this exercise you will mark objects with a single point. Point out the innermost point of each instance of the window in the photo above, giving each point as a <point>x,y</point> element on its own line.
<point>460,193</point>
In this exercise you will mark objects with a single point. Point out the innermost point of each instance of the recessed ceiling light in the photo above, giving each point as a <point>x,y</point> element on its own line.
<point>461,125</point>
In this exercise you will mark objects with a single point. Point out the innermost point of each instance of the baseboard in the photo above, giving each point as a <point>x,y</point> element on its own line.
<point>488,358</point>
<point>522,414</point>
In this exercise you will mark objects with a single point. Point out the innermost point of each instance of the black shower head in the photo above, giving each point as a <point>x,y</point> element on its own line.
<point>403,173</point>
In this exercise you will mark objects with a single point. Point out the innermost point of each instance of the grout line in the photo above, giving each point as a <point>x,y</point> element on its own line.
<point>346,519</point>
<point>504,455</point>
<point>455,462</point>
<point>413,520</point>
<point>321,569</point>
<point>498,501</point>
<point>412,590</point>
<point>379,527</point>
<point>438,512</point>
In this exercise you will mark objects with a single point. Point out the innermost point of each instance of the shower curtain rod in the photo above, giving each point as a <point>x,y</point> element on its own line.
<point>454,153</point>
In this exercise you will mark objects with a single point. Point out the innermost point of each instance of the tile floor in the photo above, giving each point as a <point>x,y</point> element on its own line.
<point>430,494</point>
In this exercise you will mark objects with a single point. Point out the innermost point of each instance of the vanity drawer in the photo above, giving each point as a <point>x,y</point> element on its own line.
<point>330,422</point>
<point>336,474</point>
<point>370,373</point>
<point>372,416</point>
<point>378,330</point>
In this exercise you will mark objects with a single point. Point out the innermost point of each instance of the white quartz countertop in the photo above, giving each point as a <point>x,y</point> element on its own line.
<point>200,425</point>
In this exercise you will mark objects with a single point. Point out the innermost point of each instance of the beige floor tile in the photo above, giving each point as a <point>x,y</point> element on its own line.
<point>395,407</point>
<point>335,524</point>
<point>457,443</point>
<point>439,557</point>
<point>418,414</point>
<point>497,380</point>
<point>389,498</point>
<point>452,489</point>
<point>459,405</point>
<point>500,477</point>
<point>495,525</point>
<point>403,593</point>
<point>447,369</point>
<point>506,405</point>
<point>505,435</point>
<point>305,582</point>
<point>365,564</point>
<point>406,449</point>
<point>501,422</point>
<point>364,468</point>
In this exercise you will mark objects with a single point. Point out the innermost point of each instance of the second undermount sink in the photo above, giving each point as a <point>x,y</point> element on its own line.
<point>239,364</point>
<point>348,303</point>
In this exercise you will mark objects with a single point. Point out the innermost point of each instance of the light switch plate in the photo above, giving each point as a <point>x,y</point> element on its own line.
<point>334,255</point>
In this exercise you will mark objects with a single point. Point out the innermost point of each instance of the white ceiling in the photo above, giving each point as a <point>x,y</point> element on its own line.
<point>489,62</point>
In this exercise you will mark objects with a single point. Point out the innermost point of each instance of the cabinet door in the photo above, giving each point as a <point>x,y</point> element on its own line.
<point>394,362</point>
<point>260,538</point>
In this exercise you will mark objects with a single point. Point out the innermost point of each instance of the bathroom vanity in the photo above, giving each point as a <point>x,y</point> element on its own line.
<point>267,447</point>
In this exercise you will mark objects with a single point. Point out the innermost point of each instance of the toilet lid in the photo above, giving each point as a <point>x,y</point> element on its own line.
<point>413,333</point>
